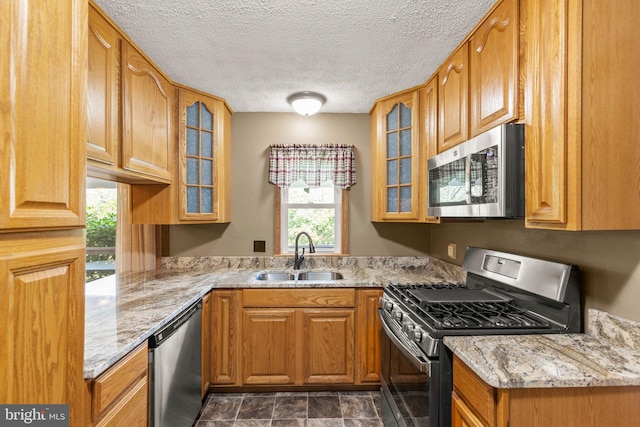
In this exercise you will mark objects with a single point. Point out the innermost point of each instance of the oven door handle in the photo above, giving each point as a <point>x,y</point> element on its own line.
<point>417,360</point>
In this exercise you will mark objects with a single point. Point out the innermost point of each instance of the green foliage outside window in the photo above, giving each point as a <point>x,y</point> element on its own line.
<point>319,223</point>
<point>102,213</point>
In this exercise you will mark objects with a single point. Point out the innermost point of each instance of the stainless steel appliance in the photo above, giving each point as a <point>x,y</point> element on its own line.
<point>503,294</point>
<point>482,177</point>
<point>175,370</point>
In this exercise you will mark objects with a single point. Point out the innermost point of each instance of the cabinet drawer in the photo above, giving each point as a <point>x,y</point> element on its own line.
<point>478,394</point>
<point>131,410</point>
<point>108,387</point>
<point>316,297</point>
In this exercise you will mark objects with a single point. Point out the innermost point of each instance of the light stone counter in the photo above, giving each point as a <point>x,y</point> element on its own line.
<point>122,311</point>
<point>607,355</point>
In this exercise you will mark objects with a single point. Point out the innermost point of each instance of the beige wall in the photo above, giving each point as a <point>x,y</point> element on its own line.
<point>609,260</point>
<point>252,195</point>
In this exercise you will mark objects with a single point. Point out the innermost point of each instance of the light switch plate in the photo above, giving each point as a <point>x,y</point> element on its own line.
<point>451,250</point>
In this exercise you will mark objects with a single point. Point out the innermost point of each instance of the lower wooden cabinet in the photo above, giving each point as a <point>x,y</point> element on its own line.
<point>206,342</point>
<point>120,395</point>
<point>295,337</point>
<point>475,403</point>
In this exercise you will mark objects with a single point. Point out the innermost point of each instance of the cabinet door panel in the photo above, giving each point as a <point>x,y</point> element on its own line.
<point>42,307</point>
<point>368,336</point>
<point>493,65</point>
<point>147,98</point>
<point>206,343</point>
<point>42,114</point>
<point>226,354</point>
<point>429,140</point>
<point>453,93</point>
<point>462,416</point>
<point>328,346</point>
<point>102,93</point>
<point>268,338</point>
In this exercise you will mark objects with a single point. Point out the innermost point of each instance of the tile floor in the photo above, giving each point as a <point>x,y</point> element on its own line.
<point>291,409</point>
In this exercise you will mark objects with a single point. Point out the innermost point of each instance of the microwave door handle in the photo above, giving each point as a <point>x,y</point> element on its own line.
<point>417,360</point>
<point>467,178</point>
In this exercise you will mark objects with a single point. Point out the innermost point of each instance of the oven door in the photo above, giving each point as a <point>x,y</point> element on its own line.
<point>410,381</point>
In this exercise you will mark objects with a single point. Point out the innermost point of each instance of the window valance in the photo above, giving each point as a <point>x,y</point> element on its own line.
<point>313,164</point>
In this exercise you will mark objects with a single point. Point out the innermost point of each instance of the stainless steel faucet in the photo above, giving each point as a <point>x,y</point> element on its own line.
<point>297,260</point>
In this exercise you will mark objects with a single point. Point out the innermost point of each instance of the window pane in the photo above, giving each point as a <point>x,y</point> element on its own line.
<point>207,118</point>
<point>405,116</point>
<point>102,214</point>
<point>207,144</point>
<point>405,171</point>
<point>206,174</point>
<point>319,223</point>
<point>405,199</point>
<point>192,142</point>
<point>206,205</point>
<point>193,200</point>
<point>392,199</point>
<point>392,145</point>
<point>405,142</point>
<point>192,115</point>
<point>192,171</point>
<point>392,119</point>
<point>392,172</point>
<point>311,195</point>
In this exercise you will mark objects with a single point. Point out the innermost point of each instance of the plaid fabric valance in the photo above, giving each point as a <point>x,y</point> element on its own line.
<point>314,164</point>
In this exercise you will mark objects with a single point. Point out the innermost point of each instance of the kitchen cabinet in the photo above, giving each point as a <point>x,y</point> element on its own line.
<point>475,403</point>
<point>453,99</point>
<point>120,395</point>
<point>147,117</point>
<point>206,342</point>
<point>42,115</point>
<point>395,158</point>
<point>493,69</point>
<point>42,180</point>
<point>201,190</point>
<point>295,337</point>
<point>103,90</point>
<point>428,141</point>
<point>581,104</point>
<point>226,359</point>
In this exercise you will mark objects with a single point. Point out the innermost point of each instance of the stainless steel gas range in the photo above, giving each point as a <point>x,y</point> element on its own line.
<point>503,294</point>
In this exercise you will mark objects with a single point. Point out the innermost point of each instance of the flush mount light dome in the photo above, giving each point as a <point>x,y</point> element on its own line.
<point>306,103</point>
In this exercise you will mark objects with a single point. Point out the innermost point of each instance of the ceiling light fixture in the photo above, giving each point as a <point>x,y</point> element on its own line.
<point>306,103</point>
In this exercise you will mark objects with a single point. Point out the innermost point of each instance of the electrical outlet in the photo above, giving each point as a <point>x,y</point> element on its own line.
<point>259,246</point>
<point>451,250</point>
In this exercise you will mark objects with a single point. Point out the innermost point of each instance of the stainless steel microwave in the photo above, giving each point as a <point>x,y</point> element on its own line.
<point>480,178</point>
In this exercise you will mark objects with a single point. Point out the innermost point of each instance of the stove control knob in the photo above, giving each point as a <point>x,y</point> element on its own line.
<point>407,327</point>
<point>398,316</point>
<point>388,306</point>
<point>416,334</point>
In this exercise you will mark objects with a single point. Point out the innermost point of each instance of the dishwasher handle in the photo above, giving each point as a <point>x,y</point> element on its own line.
<point>167,330</point>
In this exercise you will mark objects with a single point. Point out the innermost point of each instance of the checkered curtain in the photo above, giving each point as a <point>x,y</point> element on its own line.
<point>314,164</point>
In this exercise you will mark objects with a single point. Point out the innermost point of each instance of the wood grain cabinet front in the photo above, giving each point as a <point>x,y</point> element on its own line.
<point>475,403</point>
<point>453,99</point>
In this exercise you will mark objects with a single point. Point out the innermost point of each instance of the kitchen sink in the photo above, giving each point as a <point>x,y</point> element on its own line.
<point>320,275</point>
<point>275,276</point>
<point>279,276</point>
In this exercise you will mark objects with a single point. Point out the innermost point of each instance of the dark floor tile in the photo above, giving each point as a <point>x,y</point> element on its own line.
<point>214,424</point>
<point>377,402</point>
<point>357,406</point>
<point>363,422</point>
<point>252,423</point>
<point>290,407</point>
<point>302,422</point>
<point>254,407</point>
<point>325,422</point>
<point>221,408</point>
<point>324,407</point>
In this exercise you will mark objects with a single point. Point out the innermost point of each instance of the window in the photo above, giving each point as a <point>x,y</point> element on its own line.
<point>102,213</point>
<point>318,211</point>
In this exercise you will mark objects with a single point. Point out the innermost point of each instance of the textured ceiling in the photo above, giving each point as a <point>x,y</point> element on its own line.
<point>255,53</point>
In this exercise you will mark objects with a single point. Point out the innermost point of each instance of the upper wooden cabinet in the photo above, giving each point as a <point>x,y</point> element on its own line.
<point>201,191</point>
<point>493,69</point>
<point>428,141</point>
<point>395,158</point>
<point>42,114</point>
<point>147,114</point>
<point>581,106</point>
<point>453,99</point>
<point>103,90</point>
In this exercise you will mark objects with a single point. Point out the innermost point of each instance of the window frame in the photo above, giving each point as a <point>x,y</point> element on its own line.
<point>343,250</point>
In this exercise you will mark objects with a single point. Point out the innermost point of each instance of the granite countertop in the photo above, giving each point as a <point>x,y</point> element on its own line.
<point>608,354</point>
<point>123,311</point>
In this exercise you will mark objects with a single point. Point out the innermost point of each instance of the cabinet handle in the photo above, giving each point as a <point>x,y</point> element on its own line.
<point>495,23</point>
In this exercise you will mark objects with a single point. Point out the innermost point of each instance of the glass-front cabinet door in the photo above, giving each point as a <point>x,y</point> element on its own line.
<point>199,157</point>
<point>397,168</point>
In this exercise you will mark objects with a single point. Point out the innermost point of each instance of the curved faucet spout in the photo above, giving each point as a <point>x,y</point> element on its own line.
<point>298,259</point>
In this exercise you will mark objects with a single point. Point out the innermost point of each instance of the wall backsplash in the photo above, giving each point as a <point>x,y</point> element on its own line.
<point>609,260</point>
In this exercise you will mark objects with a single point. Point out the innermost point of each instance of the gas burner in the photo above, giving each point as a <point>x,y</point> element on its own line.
<point>479,315</point>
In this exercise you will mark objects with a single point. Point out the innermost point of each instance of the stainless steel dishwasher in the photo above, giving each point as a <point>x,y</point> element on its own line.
<point>175,370</point>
